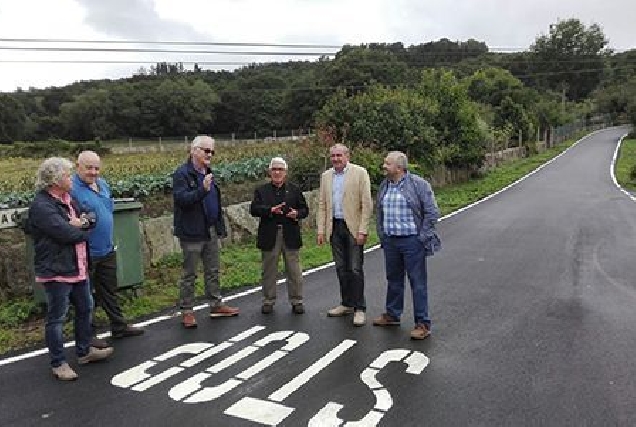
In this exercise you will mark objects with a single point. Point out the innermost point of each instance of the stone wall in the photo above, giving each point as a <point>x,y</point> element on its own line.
<point>158,241</point>
<point>156,237</point>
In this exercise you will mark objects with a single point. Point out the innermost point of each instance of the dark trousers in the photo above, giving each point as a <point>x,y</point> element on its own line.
<point>348,257</point>
<point>103,277</point>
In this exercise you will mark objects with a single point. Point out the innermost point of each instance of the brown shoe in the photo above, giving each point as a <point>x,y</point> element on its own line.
<point>386,320</point>
<point>267,308</point>
<point>127,331</point>
<point>223,311</point>
<point>188,320</point>
<point>420,332</point>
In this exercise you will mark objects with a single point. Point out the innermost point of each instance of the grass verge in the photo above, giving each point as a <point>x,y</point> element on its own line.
<point>21,323</point>
<point>625,164</point>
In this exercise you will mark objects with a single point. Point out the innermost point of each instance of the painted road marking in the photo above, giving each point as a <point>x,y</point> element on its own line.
<point>415,362</point>
<point>138,374</point>
<point>270,411</point>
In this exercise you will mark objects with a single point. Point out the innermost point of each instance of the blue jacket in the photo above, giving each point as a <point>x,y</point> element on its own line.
<point>420,198</point>
<point>100,241</point>
<point>54,239</point>
<point>190,220</point>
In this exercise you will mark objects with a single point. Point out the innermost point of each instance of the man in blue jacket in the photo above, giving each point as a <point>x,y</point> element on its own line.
<point>92,194</point>
<point>406,218</point>
<point>199,223</point>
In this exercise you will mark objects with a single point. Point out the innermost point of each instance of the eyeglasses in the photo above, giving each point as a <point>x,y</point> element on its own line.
<point>277,169</point>
<point>207,150</point>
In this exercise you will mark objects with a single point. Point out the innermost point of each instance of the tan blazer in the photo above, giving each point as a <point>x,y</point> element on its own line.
<point>357,204</point>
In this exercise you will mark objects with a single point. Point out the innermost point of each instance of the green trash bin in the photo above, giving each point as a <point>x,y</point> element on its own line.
<point>127,241</point>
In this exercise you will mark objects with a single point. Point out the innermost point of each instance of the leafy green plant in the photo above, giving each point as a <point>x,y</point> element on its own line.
<point>18,311</point>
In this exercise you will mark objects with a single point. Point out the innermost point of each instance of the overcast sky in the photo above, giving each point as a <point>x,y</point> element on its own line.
<point>501,24</point>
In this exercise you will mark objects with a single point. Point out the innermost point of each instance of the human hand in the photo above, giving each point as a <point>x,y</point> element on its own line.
<point>77,222</point>
<point>278,209</point>
<point>320,239</point>
<point>361,239</point>
<point>293,213</point>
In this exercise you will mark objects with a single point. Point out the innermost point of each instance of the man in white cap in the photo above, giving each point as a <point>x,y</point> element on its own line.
<point>280,205</point>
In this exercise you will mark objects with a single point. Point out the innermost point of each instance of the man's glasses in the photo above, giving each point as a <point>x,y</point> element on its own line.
<point>207,150</point>
<point>277,169</point>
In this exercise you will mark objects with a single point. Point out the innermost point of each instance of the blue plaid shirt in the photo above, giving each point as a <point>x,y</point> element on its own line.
<point>398,217</point>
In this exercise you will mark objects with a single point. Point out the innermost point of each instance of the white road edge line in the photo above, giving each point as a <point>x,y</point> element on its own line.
<point>613,167</point>
<point>41,351</point>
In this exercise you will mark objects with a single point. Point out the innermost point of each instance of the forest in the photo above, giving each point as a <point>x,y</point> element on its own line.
<point>442,100</point>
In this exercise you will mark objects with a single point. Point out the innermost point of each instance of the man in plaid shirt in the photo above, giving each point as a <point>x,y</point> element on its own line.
<point>407,213</point>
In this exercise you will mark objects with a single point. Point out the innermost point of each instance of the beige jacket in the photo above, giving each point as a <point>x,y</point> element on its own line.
<point>357,204</point>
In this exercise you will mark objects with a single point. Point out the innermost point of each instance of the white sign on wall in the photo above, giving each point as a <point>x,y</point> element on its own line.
<point>9,218</point>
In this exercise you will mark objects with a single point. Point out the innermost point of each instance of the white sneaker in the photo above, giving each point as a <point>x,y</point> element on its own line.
<point>64,372</point>
<point>95,354</point>
<point>339,310</point>
<point>359,318</point>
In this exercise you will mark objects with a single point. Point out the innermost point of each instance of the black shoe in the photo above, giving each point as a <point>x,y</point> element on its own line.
<point>128,331</point>
<point>99,343</point>
<point>267,308</point>
<point>298,308</point>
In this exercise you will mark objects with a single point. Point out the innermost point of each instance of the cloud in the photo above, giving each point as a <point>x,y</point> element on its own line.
<point>135,20</point>
<point>499,23</point>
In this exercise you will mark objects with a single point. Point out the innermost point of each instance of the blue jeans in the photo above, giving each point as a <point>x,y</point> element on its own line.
<point>59,296</point>
<point>406,255</point>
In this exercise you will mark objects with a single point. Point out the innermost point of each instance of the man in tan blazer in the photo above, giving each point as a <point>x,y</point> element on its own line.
<point>344,210</point>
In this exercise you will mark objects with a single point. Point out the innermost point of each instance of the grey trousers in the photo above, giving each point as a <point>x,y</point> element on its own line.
<point>208,252</point>
<point>292,271</point>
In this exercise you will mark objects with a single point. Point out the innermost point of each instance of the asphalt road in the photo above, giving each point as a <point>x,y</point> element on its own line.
<point>533,307</point>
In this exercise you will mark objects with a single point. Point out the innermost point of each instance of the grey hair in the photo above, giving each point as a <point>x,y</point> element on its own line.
<point>344,148</point>
<point>278,161</point>
<point>51,171</point>
<point>200,139</point>
<point>400,159</point>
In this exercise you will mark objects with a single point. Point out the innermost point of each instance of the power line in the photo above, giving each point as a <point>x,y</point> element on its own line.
<point>174,43</point>
<point>131,50</point>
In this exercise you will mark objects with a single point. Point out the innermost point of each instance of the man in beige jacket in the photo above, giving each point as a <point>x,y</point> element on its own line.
<point>344,210</point>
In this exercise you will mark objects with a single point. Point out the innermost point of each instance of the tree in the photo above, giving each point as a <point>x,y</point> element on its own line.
<point>89,116</point>
<point>356,67</point>
<point>462,132</point>
<point>389,119</point>
<point>12,118</point>
<point>570,59</point>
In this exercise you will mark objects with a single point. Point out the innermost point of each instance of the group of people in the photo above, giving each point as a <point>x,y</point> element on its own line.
<point>71,223</point>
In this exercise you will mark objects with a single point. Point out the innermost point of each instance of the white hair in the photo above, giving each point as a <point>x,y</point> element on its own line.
<point>200,139</point>
<point>51,171</point>
<point>278,161</point>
